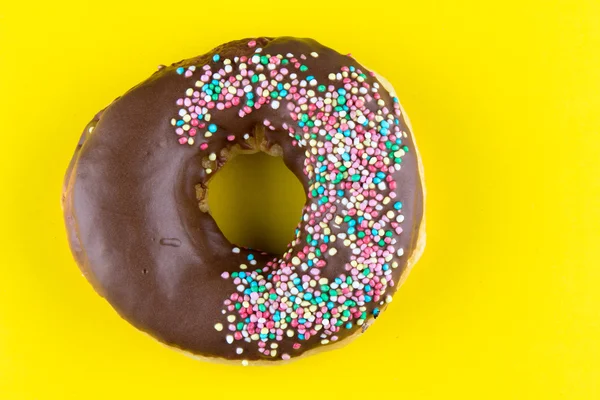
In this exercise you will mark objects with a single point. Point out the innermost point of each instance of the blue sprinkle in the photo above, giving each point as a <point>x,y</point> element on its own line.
<point>180,70</point>
<point>338,281</point>
<point>216,57</point>
<point>250,95</point>
<point>215,82</point>
<point>330,305</point>
<point>300,336</point>
<point>374,232</point>
<point>212,128</point>
<point>368,299</point>
<point>345,156</point>
<point>384,131</point>
<point>283,93</point>
<point>361,219</point>
<point>349,325</point>
<point>376,311</point>
<point>301,320</point>
<point>180,122</point>
<point>296,281</point>
<point>385,124</point>
<point>309,263</point>
<point>351,230</point>
<point>308,296</point>
<point>376,180</point>
<point>352,222</point>
<point>250,256</point>
<point>341,91</point>
<point>398,205</point>
<point>326,239</point>
<point>367,288</point>
<point>395,99</point>
<point>352,68</point>
<point>314,243</point>
<point>242,274</point>
<point>308,78</point>
<point>381,175</point>
<point>279,86</point>
<point>340,193</point>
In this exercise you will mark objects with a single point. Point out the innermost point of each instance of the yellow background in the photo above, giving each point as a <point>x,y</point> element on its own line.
<point>505,101</point>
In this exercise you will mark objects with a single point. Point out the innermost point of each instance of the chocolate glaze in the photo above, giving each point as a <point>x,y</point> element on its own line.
<point>133,219</point>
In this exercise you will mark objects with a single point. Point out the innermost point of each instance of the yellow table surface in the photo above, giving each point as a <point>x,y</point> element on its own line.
<point>505,101</point>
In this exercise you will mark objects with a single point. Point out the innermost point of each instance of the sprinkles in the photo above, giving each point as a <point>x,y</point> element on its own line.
<point>353,143</point>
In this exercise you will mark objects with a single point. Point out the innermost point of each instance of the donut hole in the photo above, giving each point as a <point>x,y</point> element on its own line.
<point>256,201</point>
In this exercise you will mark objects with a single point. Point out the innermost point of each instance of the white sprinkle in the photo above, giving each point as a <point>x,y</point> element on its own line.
<point>400,252</point>
<point>275,104</point>
<point>314,54</point>
<point>388,299</point>
<point>239,350</point>
<point>235,250</point>
<point>229,339</point>
<point>244,363</point>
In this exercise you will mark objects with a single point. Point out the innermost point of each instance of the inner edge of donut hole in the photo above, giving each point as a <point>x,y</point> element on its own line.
<point>256,143</point>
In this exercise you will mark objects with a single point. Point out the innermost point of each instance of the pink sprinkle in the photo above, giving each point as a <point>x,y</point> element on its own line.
<point>252,43</point>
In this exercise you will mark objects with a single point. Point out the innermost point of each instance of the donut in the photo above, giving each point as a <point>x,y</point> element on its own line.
<point>140,228</point>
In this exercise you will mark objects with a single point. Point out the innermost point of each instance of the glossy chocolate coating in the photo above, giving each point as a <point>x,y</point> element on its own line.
<point>133,219</point>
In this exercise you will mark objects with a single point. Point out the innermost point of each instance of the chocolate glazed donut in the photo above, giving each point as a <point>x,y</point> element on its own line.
<point>139,226</point>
